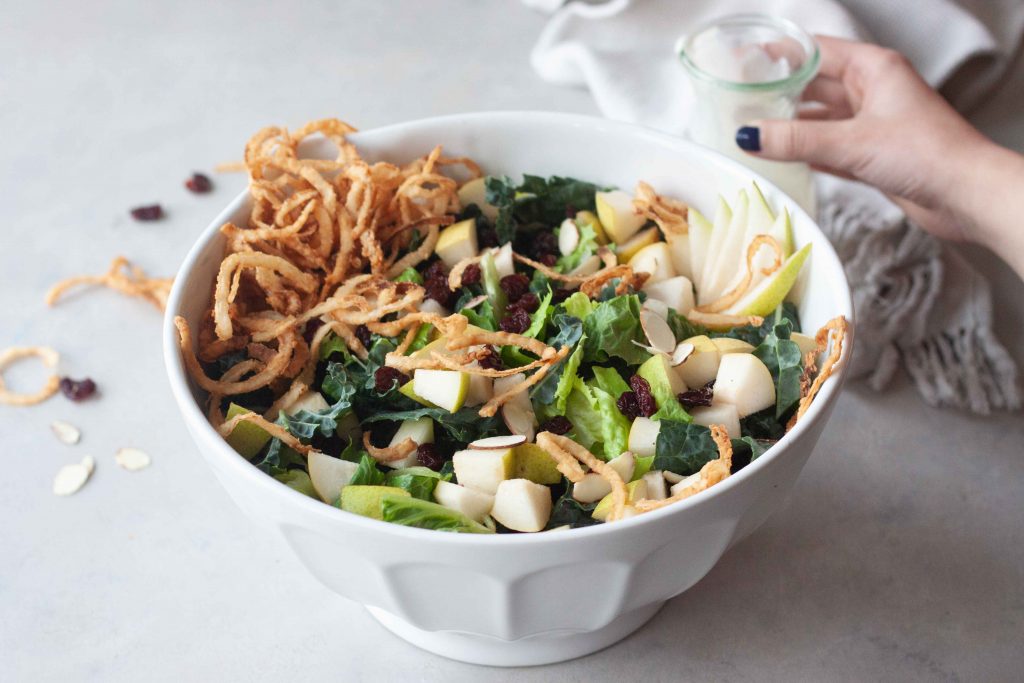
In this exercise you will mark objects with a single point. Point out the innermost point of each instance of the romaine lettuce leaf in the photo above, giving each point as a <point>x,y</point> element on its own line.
<point>596,419</point>
<point>578,305</point>
<point>427,515</point>
<point>610,380</point>
<point>539,318</point>
<point>420,484</point>
<point>367,473</point>
<point>586,248</point>
<point>492,286</point>
<point>612,328</point>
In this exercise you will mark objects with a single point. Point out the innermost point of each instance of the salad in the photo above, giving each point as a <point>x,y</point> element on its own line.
<point>435,347</point>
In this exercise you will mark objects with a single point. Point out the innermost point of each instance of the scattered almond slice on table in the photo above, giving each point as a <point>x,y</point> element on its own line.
<point>66,433</point>
<point>71,478</point>
<point>132,459</point>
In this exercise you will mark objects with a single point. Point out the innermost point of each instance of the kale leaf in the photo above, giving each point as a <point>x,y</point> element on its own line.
<point>683,447</point>
<point>568,510</point>
<point>463,426</point>
<point>784,361</point>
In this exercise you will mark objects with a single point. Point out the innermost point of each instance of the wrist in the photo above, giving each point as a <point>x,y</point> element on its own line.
<point>988,199</point>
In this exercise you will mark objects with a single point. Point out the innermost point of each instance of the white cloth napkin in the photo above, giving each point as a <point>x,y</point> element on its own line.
<point>919,304</point>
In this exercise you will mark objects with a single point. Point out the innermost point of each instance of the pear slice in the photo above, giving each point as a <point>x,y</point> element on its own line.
<point>615,210</point>
<point>365,500</point>
<point>676,292</point>
<point>665,382</point>
<point>806,343</point>
<point>624,464</point>
<point>679,250</point>
<point>247,438</point>
<point>718,414</point>
<point>587,267</point>
<point>635,490</point>
<point>420,430</point>
<point>504,264</point>
<point>656,488</point>
<point>444,388</point>
<point>408,390</point>
<point>731,254</point>
<point>654,259</point>
<point>766,296</point>
<point>643,436</point>
<point>522,505</point>
<point>475,192</point>
<point>457,241</point>
<point>744,381</point>
<point>729,345</point>
<point>591,488</point>
<point>700,238</point>
<point>536,464</point>
<point>329,475</point>
<point>636,243</point>
<point>723,219</point>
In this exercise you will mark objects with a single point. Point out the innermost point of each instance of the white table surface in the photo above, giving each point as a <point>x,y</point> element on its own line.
<point>900,554</point>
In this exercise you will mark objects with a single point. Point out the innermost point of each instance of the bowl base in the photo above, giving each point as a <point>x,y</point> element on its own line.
<point>531,651</point>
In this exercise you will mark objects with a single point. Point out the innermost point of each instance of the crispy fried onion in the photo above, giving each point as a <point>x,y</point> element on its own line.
<point>122,276</point>
<point>232,374</point>
<point>275,368</point>
<point>455,276</point>
<point>391,453</point>
<point>271,428</point>
<point>50,359</point>
<point>567,452</point>
<point>713,472</point>
<point>835,330</point>
<point>744,285</point>
<point>628,280</point>
<point>668,214</point>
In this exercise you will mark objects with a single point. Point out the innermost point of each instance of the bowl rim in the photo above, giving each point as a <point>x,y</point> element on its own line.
<point>238,466</point>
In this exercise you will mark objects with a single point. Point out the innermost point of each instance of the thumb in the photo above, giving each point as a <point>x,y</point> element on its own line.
<point>824,144</point>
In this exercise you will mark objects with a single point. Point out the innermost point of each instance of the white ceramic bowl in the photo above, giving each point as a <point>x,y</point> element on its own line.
<point>525,598</point>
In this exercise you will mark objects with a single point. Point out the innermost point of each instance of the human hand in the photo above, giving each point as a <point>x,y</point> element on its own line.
<point>880,123</point>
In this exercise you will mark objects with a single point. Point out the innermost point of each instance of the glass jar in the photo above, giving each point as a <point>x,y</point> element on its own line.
<point>746,67</point>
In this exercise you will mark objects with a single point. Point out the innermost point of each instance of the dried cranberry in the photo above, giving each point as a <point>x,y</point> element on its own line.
<point>487,237</point>
<point>515,285</point>
<point>560,294</point>
<point>570,211</point>
<point>386,378</point>
<point>439,291</point>
<point>516,322</point>
<point>698,397</point>
<point>548,260</point>
<point>436,269</point>
<point>310,330</point>
<point>199,183</point>
<point>491,360</point>
<point>556,425</point>
<point>152,212</point>
<point>77,390</point>
<point>471,275</point>
<point>543,244</point>
<point>427,455</point>
<point>627,405</point>
<point>528,302</point>
<point>644,398</point>
<point>363,335</point>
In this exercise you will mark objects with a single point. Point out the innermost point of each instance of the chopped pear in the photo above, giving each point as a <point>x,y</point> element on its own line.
<point>700,238</point>
<point>247,438</point>
<point>782,231</point>
<point>503,262</point>
<point>684,483</point>
<point>635,490</point>
<point>654,259</point>
<point>643,436</point>
<point>745,382</point>
<point>444,388</point>
<point>313,401</point>
<point>620,220</point>
<point>759,216</point>
<point>536,464</point>
<point>474,504</point>
<point>365,500</point>
<point>636,243</point>
<point>591,488</point>
<point>701,366</point>
<point>587,266</point>
<point>665,381</point>
<point>729,345</point>
<point>457,242</point>
<point>675,292</point>
<point>522,505</point>
<point>421,431</point>
<point>590,218</point>
<point>624,464</point>
<point>408,391</point>
<point>656,489</point>
<point>475,192</point>
<point>483,470</point>
<point>718,414</point>
<point>807,344</point>
<point>329,475</point>
<point>770,292</point>
<point>431,306</point>
<point>481,389</point>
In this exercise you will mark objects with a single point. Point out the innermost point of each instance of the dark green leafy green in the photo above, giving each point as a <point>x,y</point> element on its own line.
<point>681,326</point>
<point>611,328</point>
<point>569,511</point>
<point>500,192</point>
<point>547,201</point>
<point>304,424</point>
<point>683,447</point>
<point>746,450</point>
<point>427,515</point>
<point>331,345</point>
<point>352,451</point>
<point>463,426</point>
<point>555,386</point>
<point>784,361</point>
<point>763,425</point>
<point>754,335</point>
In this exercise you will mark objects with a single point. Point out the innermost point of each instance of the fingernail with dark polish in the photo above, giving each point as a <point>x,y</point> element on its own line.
<point>749,138</point>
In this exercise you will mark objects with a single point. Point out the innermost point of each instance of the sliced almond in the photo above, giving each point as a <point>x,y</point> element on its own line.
<point>518,419</point>
<point>656,306</point>
<point>568,237</point>
<point>475,301</point>
<point>649,349</point>
<point>66,433</point>
<point>132,459</point>
<point>70,478</point>
<point>499,442</point>
<point>682,352</point>
<point>659,334</point>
